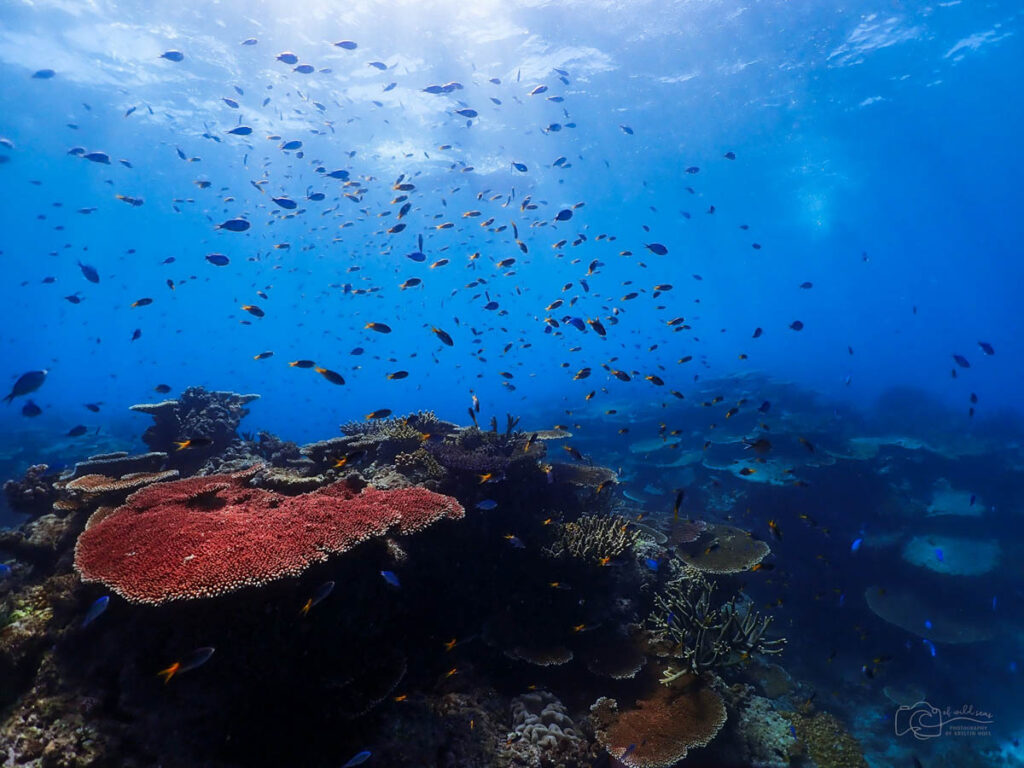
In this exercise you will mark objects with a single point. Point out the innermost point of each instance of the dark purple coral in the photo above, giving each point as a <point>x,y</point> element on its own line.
<point>34,493</point>
<point>212,417</point>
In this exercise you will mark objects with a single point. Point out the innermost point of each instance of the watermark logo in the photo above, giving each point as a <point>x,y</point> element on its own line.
<point>926,721</point>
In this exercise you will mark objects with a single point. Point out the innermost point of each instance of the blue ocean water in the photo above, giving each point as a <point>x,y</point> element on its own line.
<point>835,187</point>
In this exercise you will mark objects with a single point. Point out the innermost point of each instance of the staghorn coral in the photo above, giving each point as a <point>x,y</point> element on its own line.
<point>594,538</point>
<point>207,536</point>
<point>704,634</point>
<point>663,727</point>
<point>827,742</point>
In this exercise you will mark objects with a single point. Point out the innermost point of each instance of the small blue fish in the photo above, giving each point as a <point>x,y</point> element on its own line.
<point>391,578</point>
<point>651,563</point>
<point>95,610</point>
<point>938,555</point>
<point>927,624</point>
<point>792,730</point>
<point>842,599</point>
<point>486,504</point>
<point>5,570</point>
<point>994,601</point>
<point>358,759</point>
<point>931,647</point>
<point>856,544</point>
<point>515,541</point>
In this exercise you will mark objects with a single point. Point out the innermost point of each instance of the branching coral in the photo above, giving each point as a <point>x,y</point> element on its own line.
<point>595,538</point>
<point>705,635</point>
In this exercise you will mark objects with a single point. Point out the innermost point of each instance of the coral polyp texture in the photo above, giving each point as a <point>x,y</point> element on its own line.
<point>662,728</point>
<point>207,536</point>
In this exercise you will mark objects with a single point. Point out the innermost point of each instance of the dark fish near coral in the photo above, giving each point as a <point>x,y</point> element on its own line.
<point>30,409</point>
<point>961,361</point>
<point>378,327</point>
<point>380,413</point>
<point>253,310</point>
<point>391,578</point>
<point>986,348</point>
<point>218,259</point>
<point>656,248</point>
<point>196,659</point>
<point>163,389</point>
<point>27,382</point>
<point>78,431</point>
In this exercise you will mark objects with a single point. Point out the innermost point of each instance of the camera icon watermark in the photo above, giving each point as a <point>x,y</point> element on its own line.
<point>926,721</point>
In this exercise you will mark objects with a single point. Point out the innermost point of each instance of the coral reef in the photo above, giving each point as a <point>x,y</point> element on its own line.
<point>120,463</point>
<point>102,489</point>
<point>723,549</point>
<point>704,633</point>
<point>826,741</point>
<point>199,415</point>
<point>595,538</point>
<point>663,727</point>
<point>33,493</point>
<point>473,450</point>
<point>927,615</point>
<point>542,732</point>
<point>763,735</point>
<point>206,536</point>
